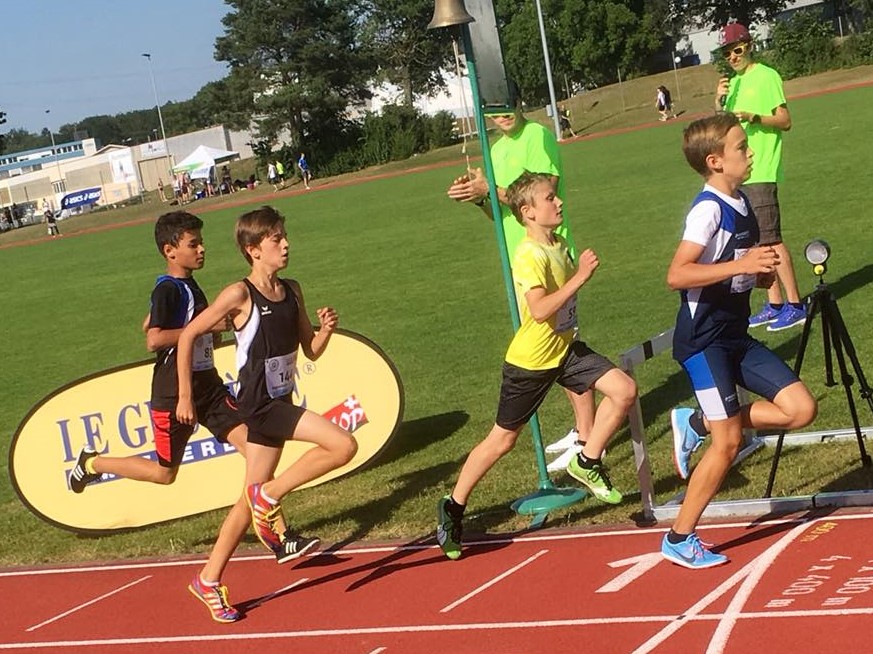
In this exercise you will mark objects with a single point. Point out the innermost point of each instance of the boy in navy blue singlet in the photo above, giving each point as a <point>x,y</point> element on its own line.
<point>271,324</point>
<point>716,266</point>
<point>175,300</point>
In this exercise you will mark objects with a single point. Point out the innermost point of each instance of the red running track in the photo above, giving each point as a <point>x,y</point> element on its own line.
<point>797,586</point>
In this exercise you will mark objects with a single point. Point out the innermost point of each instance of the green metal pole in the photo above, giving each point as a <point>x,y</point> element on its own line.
<point>548,497</point>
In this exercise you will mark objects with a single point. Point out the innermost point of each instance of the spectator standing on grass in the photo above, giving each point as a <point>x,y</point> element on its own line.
<point>51,221</point>
<point>564,118</point>
<point>272,176</point>
<point>664,103</point>
<point>755,95</point>
<point>305,173</point>
<point>527,146</point>
<point>280,173</point>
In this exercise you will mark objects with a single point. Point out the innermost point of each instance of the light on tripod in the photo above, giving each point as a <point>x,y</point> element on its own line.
<point>817,252</point>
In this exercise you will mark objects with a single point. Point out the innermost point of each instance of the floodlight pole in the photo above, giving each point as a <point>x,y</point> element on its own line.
<point>548,63</point>
<point>160,118</point>
<point>55,157</point>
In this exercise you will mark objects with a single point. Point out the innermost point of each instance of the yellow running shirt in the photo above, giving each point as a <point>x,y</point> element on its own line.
<point>541,346</point>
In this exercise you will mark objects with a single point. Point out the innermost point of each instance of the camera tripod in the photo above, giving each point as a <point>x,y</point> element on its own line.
<point>836,340</point>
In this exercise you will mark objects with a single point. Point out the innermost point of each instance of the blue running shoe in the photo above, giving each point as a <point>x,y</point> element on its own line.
<point>765,316</point>
<point>685,439</point>
<point>787,318</point>
<point>691,553</point>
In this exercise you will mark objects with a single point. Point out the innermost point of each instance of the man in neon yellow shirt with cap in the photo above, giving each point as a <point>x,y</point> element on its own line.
<point>755,95</point>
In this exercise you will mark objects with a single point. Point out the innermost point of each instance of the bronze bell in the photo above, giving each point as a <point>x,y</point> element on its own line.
<point>449,12</point>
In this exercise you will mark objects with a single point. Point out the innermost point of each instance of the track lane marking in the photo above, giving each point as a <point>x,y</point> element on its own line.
<point>760,566</point>
<point>498,578</point>
<point>404,548</point>
<point>430,628</point>
<point>88,603</point>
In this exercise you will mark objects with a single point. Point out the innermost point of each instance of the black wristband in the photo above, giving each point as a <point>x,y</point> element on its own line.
<point>481,202</point>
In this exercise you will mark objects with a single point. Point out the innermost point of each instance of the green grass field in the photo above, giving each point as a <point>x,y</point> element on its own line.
<point>420,275</point>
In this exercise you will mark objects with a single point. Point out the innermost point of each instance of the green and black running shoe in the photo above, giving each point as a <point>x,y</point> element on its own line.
<point>448,532</point>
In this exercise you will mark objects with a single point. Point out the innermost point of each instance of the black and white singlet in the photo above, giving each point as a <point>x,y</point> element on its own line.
<point>266,350</point>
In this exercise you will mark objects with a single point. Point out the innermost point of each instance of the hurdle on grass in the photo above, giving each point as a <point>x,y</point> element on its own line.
<point>663,342</point>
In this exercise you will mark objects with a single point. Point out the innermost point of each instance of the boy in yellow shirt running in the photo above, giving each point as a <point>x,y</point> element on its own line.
<point>543,352</point>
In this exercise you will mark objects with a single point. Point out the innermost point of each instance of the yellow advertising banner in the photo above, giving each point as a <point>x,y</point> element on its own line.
<point>354,384</point>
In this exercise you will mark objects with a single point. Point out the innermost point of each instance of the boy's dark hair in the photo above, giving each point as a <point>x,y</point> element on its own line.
<point>704,137</point>
<point>170,227</point>
<point>520,192</point>
<point>254,226</point>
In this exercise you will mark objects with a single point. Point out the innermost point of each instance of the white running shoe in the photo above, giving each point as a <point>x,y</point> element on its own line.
<point>565,443</point>
<point>563,461</point>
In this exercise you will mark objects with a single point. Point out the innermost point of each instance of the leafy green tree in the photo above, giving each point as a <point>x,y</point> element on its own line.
<point>588,40</point>
<point>407,54</point>
<point>302,61</point>
<point>18,139</point>
<point>716,13</point>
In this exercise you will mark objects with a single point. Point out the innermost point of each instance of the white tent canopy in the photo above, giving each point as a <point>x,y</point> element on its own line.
<point>201,161</point>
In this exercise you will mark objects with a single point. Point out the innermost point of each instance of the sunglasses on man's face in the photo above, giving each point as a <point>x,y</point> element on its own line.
<point>737,51</point>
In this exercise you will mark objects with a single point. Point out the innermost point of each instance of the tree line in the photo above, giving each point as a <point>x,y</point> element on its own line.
<point>296,66</point>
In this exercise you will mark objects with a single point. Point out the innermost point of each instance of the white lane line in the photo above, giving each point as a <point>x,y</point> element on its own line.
<point>761,564</point>
<point>681,620</point>
<point>413,548</point>
<point>378,650</point>
<point>431,628</point>
<point>496,579</point>
<point>88,603</point>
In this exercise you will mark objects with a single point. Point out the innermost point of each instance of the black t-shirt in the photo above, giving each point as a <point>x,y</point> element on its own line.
<point>175,302</point>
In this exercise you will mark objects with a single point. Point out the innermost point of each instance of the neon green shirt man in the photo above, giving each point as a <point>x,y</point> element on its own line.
<point>758,91</point>
<point>535,149</point>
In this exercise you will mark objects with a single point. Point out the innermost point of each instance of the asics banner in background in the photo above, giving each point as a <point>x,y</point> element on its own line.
<point>353,384</point>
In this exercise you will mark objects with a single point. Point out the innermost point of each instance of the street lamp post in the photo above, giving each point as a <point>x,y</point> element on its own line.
<point>55,157</point>
<point>160,117</point>
<point>548,63</point>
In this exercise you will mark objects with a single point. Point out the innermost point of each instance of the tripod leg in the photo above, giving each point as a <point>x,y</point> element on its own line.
<point>826,338</point>
<point>837,339</point>
<point>843,332</point>
<point>814,305</point>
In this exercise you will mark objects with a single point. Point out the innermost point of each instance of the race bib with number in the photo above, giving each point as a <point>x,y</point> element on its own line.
<point>279,372</point>
<point>202,359</point>
<point>565,319</point>
<point>742,283</point>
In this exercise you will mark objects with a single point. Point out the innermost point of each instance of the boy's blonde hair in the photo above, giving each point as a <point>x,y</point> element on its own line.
<point>704,137</point>
<point>254,226</point>
<point>520,192</point>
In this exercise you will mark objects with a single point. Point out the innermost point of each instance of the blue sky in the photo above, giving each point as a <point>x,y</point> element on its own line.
<point>81,58</point>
